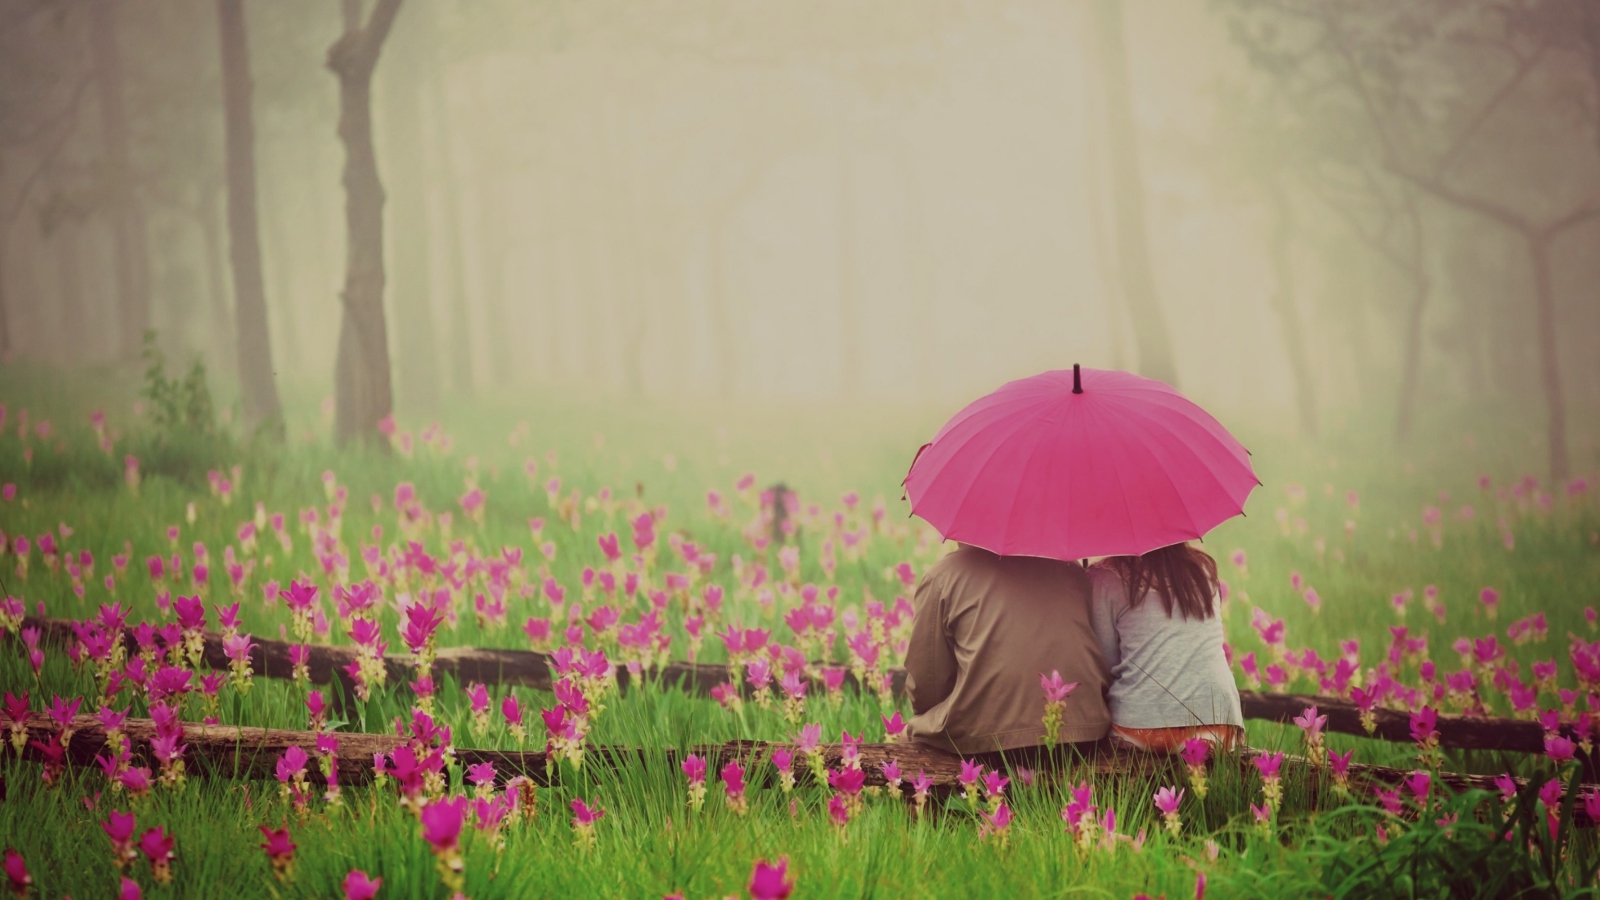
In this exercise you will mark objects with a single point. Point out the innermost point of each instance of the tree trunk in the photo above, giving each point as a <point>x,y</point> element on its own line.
<point>852,363</point>
<point>1127,181</point>
<point>923,315</point>
<point>1549,357</point>
<point>722,330</point>
<point>128,225</point>
<point>362,393</point>
<point>257,384</point>
<point>416,368</point>
<point>5,315</point>
<point>1411,362</point>
<point>74,320</point>
<point>458,331</point>
<point>1283,303</point>
<point>223,333</point>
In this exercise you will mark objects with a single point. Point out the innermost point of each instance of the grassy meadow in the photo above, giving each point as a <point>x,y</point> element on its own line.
<point>1346,540</point>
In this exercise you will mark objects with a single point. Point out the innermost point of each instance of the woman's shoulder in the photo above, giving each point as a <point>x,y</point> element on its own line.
<point>1106,585</point>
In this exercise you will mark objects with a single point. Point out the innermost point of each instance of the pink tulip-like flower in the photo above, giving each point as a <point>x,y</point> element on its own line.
<point>119,828</point>
<point>1055,690</point>
<point>894,727</point>
<point>1424,730</point>
<point>771,881</point>
<point>1339,764</point>
<point>694,768</point>
<point>157,846</point>
<point>847,781</point>
<point>1559,749</point>
<point>442,821</point>
<point>279,850</point>
<point>1419,783</point>
<point>1263,814</point>
<point>1312,724</point>
<point>1268,764</point>
<point>17,873</point>
<point>838,812</point>
<point>733,787</point>
<point>997,824</point>
<point>1167,802</point>
<point>359,886</point>
<point>1550,794</point>
<point>129,890</point>
<point>583,818</point>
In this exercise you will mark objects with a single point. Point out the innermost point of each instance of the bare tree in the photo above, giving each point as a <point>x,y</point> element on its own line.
<point>362,393</point>
<point>1132,241</point>
<point>128,223</point>
<point>1387,61</point>
<point>257,382</point>
<point>416,368</point>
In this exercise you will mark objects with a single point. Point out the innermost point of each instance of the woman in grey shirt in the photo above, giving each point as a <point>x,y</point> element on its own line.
<point>1155,618</point>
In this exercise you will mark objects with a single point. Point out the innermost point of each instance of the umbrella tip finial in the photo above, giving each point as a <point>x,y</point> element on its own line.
<point>1077,380</point>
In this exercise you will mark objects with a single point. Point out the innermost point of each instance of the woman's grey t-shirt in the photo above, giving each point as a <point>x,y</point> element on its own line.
<point>1165,672</point>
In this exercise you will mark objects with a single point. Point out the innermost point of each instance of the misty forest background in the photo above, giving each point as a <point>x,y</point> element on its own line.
<point>1314,210</point>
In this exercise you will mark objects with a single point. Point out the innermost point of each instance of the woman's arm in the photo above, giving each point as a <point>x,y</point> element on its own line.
<point>930,662</point>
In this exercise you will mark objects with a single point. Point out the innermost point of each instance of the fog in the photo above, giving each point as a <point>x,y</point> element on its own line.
<point>1323,207</point>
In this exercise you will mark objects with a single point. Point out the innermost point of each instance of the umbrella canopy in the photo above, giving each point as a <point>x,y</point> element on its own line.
<point>1077,463</point>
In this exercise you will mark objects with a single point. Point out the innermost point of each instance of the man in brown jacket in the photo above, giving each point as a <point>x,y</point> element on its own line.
<point>986,628</point>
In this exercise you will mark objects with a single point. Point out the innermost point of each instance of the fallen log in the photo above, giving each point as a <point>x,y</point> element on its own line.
<point>232,751</point>
<point>529,668</point>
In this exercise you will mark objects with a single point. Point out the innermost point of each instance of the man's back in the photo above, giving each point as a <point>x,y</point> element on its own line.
<point>986,627</point>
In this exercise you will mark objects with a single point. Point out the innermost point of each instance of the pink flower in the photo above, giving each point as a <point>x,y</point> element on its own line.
<point>1268,764</point>
<point>1055,691</point>
<point>1263,813</point>
<point>1311,723</point>
<point>157,845</point>
<point>119,828</point>
<point>894,726</point>
<point>847,781</point>
<point>1000,819</point>
<point>695,768</point>
<point>1340,763</point>
<point>1419,783</point>
<point>771,881</point>
<point>583,815</point>
<point>1196,751</point>
<point>838,810</point>
<point>291,763</point>
<point>130,890</point>
<point>1559,749</point>
<point>358,886</point>
<point>1424,724</point>
<point>278,846</point>
<point>733,779</point>
<point>17,873</point>
<point>441,823</point>
<point>1550,793</point>
<point>970,772</point>
<point>1167,801</point>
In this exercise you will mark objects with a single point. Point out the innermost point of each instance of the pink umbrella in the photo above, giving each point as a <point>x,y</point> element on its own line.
<point>1080,463</point>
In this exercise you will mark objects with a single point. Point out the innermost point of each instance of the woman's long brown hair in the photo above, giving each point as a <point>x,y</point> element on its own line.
<point>1184,577</point>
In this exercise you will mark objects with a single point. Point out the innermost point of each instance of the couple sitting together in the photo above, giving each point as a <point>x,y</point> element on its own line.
<point>1140,635</point>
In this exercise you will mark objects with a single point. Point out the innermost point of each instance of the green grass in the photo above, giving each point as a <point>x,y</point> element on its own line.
<point>649,843</point>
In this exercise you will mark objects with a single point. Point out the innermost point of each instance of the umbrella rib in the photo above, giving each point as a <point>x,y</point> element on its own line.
<point>1011,510</point>
<point>1210,471</point>
<point>1024,417</point>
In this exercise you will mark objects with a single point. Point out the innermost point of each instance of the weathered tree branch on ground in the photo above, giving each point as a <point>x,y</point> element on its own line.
<point>230,751</point>
<point>528,668</point>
